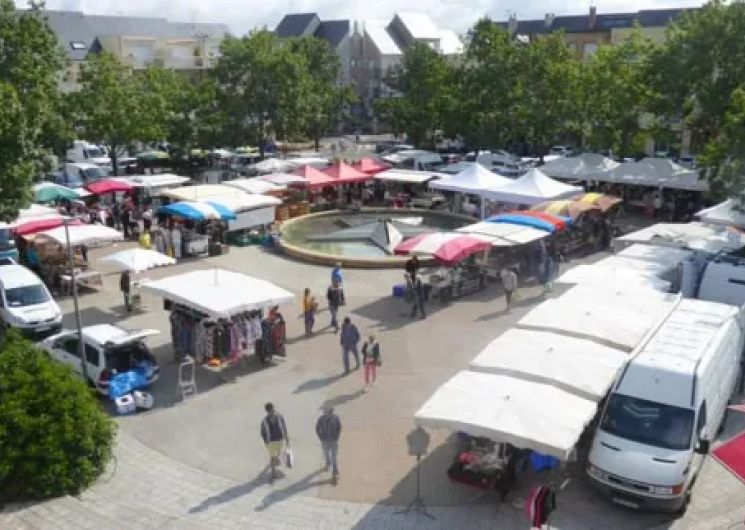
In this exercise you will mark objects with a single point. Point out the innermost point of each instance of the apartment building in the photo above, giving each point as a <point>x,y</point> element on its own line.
<point>137,41</point>
<point>586,33</point>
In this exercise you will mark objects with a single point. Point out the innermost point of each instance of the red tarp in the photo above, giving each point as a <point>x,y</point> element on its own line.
<point>39,224</point>
<point>731,454</point>
<point>345,174</point>
<point>314,178</point>
<point>447,248</point>
<point>100,187</point>
<point>371,166</point>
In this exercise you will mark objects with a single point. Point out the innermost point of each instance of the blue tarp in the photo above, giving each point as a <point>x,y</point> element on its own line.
<point>527,220</point>
<point>198,211</point>
<point>126,382</point>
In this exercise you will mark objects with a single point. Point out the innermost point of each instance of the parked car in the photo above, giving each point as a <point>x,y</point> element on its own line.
<point>108,350</point>
<point>26,304</point>
<point>561,150</point>
<point>688,161</point>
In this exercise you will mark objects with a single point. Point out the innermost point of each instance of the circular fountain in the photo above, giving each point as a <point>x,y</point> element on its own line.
<point>361,239</point>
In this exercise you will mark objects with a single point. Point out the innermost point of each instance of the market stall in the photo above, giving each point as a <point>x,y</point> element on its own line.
<point>474,180</point>
<point>586,166</point>
<point>217,315</point>
<point>150,188</point>
<point>256,186</point>
<point>138,260</point>
<point>462,272</point>
<point>371,166</point>
<point>533,188</point>
<point>194,239</point>
<point>402,187</point>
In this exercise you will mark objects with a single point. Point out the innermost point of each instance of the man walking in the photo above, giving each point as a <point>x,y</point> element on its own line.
<point>350,337</point>
<point>337,279</point>
<point>418,289</point>
<point>274,434</point>
<point>333,295</point>
<point>125,285</point>
<point>328,429</point>
<point>509,281</point>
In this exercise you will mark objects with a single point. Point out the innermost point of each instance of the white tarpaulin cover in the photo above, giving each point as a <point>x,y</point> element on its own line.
<point>504,234</point>
<point>584,166</point>
<point>162,180</point>
<point>579,366</point>
<point>526,414</point>
<point>274,165</point>
<point>255,186</point>
<point>665,257</point>
<point>655,172</point>
<point>201,192</point>
<point>219,293</point>
<point>139,259</point>
<point>671,234</point>
<point>726,213</point>
<point>475,179</point>
<point>532,188</point>
<point>409,176</point>
<point>610,277</point>
<point>617,318</point>
<point>89,235</point>
<point>241,202</point>
<point>283,179</point>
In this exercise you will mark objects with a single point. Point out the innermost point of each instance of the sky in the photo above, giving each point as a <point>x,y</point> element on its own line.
<point>243,15</point>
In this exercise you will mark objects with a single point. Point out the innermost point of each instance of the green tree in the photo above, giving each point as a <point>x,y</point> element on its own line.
<point>30,60</point>
<point>724,155</point>
<point>484,111</point>
<point>117,107</point>
<point>613,95</point>
<point>324,100</point>
<point>55,438</point>
<point>425,82</point>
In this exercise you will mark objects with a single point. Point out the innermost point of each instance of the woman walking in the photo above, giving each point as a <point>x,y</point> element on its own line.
<point>371,360</point>
<point>309,310</point>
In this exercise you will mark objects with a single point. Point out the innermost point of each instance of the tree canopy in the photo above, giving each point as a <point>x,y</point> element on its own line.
<point>30,61</point>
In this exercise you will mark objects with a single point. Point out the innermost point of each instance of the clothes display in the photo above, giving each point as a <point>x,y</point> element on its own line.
<point>539,505</point>
<point>222,340</point>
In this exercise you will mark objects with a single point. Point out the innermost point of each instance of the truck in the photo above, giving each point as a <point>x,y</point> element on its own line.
<point>86,152</point>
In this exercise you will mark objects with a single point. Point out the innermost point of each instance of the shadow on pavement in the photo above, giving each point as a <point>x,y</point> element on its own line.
<point>303,484</point>
<point>342,399</point>
<point>232,493</point>
<point>317,383</point>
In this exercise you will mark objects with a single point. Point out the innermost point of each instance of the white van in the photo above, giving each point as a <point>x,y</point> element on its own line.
<point>667,406</point>
<point>26,304</point>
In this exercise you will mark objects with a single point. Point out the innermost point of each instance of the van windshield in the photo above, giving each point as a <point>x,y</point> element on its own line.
<point>28,295</point>
<point>648,422</point>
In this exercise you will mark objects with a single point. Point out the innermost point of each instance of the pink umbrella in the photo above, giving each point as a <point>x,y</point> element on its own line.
<point>371,166</point>
<point>345,174</point>
<point>39,224</point>
<point>103,186</point>
<point>446,247</point>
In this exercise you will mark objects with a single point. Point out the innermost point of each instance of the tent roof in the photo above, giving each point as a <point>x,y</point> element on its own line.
<point>241,202</point>
<point>475,179</point>
<point>409,176</point>
<point>584,166</point>
<point>532,188</point>
<point>89,235</point>
<point>218,293</point>
<point>594,312</point>
<point>161,180</point>
<point>282,179</point>
<point>200,192</point>
<point>315,178</point>
<point>254,185</point>
<point>344,173</point>
<point>579,366</point>
<point>505,234</point>
<point>526,414</point>
<point>727,213</point>
<point>611,277</point>
<point>655,172</point>
<point>371,165</point>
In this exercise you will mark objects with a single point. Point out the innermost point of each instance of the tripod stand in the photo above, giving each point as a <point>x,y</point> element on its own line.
<point>417,503</point>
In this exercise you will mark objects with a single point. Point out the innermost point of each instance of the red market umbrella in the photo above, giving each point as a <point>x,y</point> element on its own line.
<point>345,174</point>
<point>371,166</point>
<point>314,178</point>
<point>39,224</point>
<point>103,186</point>
<point>446,247</point>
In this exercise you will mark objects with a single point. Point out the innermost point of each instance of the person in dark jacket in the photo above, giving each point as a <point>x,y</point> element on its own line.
<point>274,434</point>
<point>328,429</point>
<point>125,285</point>
<point>350,337</point>
<point>418,289</point>
<point>412,267</point>
<point>334,296</point>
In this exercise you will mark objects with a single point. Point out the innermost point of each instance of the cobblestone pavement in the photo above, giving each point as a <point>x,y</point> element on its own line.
<point>200,464</point>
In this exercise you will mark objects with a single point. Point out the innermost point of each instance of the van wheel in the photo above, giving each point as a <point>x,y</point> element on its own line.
<point>686,501</point>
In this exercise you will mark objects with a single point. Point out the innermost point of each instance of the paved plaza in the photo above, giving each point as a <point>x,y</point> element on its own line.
<point>201,463</point>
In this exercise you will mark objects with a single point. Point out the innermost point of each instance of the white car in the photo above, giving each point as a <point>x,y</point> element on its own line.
<point>108,350</point>
<point>562,150</point>
<point>26,304</point>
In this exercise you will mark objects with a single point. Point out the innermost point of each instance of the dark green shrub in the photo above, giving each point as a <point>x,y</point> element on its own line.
<point>55,437</point>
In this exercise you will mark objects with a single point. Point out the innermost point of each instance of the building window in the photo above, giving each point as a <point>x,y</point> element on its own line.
<point>589,49</point>
<point>78,45</point>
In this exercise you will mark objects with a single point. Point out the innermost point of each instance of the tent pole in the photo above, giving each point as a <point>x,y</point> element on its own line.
<point>483,208</point>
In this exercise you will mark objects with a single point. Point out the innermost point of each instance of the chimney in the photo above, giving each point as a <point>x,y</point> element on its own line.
<point>512,24</point>
<point>593,16</point>
<point>549,19</point>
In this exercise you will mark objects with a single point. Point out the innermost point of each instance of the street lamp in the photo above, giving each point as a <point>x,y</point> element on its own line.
<point>73,280</point>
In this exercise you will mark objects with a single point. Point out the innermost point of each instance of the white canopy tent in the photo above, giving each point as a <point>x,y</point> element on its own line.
<point>161,180</point>
<point>694,235</point>
<point>241,202</point>
<point>617,318</point>
<point>201,192</point>
<point>283,179</point>
<point>583,167</point>
<point>138,259</point>
<point>611,277</point>
<point>254,186</point>
<point>578,366</point>
<point>526,414</point>
<point>273,165</point>
<point>727,213</point>
<point>655,172</point>
<point>474,180</point>
<point>409,176</point>
<point>533,188</point>
<point>219,293</point>
<point>504,234</point>
<point>89,235</point>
